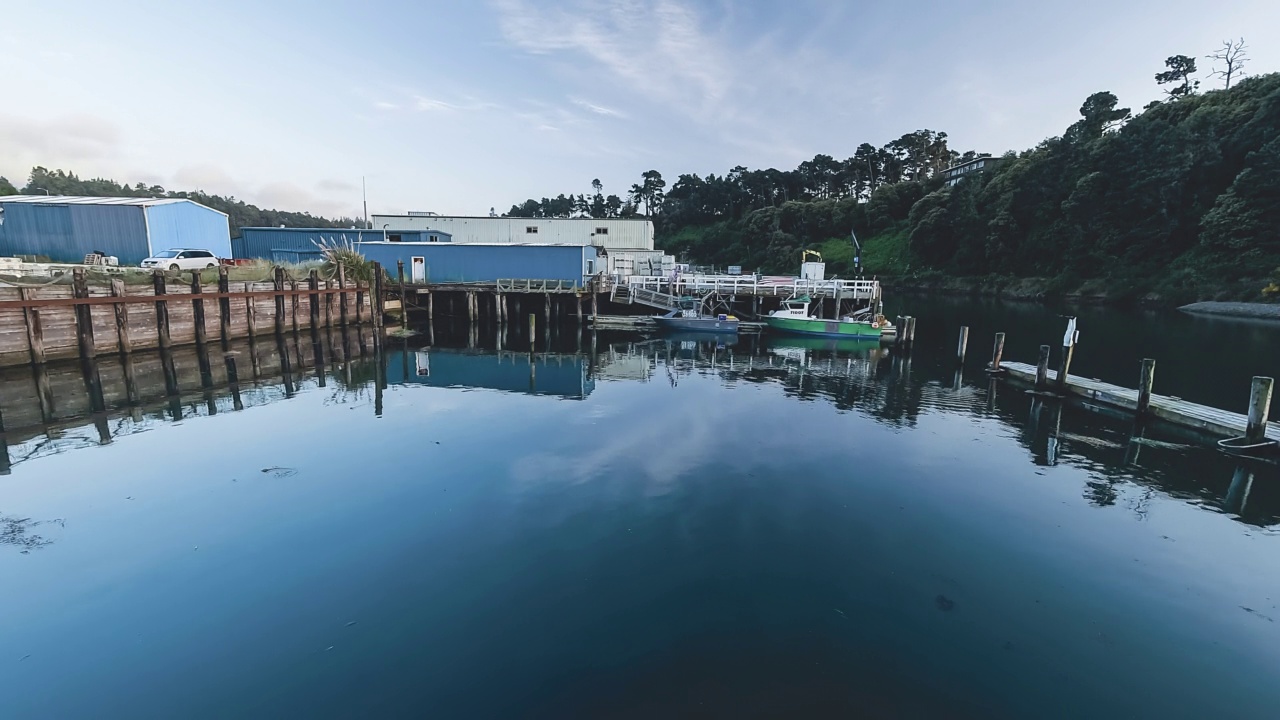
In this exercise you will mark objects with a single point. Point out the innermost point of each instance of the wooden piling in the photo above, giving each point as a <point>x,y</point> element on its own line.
<point>342,295</point>
<point>224,307</point>
<point>910,331</point>
<point>1064,367</point>
<point>473,307</point>
<point>294,302</point>
<point>548,296</point>
<point>377,308</point>
<point>84,314</point>
<point>122,317</point>
<point>578,301</point>
<point>251,314</point>
<point>404,305</point>
<point>197,309</point>
<point>1259,409</point>
<point>1042,369</point>
<point>360,305</point>
<point>313,284</point>
<point>328,304</point>
<point>35,333</point>
<point>963,344</point>
<point>997,353</point>
<point>279,287</point>
<point>900,326</point>
<point>533,329</point>
<point>1145,381</point>
<point>595,302</point>
<point>162,308</point>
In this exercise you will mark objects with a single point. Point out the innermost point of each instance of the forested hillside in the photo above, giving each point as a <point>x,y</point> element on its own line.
<point>240,213</point>
<point>1180,201</point>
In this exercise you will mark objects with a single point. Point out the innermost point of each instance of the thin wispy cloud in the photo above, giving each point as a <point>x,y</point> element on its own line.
<point>597,109</point>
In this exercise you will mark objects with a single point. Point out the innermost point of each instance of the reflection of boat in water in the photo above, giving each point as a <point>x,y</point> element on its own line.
<point>689,339</point>
<point>830,344</point>
<point>689,317</point>
<point>793,317</point>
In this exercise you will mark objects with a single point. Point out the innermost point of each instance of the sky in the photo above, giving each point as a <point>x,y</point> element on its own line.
<point>459,107</point>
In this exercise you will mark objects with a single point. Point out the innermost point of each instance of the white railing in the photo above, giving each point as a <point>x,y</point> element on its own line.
<point>756,285</point>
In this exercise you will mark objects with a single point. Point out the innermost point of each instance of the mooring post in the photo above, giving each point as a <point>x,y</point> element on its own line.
<point>342,295</point>
<point>900,327</point>
<point>404,305</point>
<point>963,344</point>
<point>278,281</point>
<point>1145,380</point>
<point>251,312</point>
<point>162,308</point>
<point>84,314</point>
<point>1042,369</point>
<point>533,329</point>
<point>328,304</point>
<point>473,308</point>
<point>122,317</point>
<point>359,306</point>
<point>293,308</point>
<point>595,301</point>
<point>997,352</point>
<point>224,306</point>
<point>1259,409</point>
<point>548,295</point>
<point>197,308</point>
<point>1068,349</point>
<point>911,331</point>
<point>35,333</point>
<point>376,308</point>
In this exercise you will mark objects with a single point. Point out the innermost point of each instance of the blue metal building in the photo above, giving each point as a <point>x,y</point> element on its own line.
<point>302,244</point>
<point>65,229</point>
<point>480,263</point>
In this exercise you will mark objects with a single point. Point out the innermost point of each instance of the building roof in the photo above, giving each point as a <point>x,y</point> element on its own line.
<point>508,217</point>
<point>77,200</point>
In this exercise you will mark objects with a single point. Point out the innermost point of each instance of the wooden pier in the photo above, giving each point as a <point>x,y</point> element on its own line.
<point>1164,407</point>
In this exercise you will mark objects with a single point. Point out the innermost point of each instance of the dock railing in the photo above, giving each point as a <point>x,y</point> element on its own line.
<point>757,285</point>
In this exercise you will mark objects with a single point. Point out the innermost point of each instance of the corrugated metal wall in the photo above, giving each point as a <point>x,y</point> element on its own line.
<point>66,233</point>
<point>186,225</point>
<point>461,262</point>
<point>264,242</point>
<point>618,233</point>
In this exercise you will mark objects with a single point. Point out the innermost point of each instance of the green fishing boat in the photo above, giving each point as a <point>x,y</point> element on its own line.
<point>793,317</point>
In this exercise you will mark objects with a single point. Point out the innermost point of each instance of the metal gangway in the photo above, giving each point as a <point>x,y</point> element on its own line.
<point>748,285</point>
<point>629,294</point>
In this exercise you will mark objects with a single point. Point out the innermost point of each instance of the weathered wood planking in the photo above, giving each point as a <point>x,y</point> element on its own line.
<point>58,327</point>
<point>1169,409</point>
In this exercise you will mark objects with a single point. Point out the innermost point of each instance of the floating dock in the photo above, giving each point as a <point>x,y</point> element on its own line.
<point>1164,407</point>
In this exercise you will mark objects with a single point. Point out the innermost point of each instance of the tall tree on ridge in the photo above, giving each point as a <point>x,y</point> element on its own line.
<point>1233,54</point>
<point>1181,68</point>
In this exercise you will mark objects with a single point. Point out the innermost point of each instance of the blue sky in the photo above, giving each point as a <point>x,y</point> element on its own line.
<point>457,107</point>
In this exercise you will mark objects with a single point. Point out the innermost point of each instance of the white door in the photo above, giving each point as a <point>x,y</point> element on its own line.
<point>418,269</point>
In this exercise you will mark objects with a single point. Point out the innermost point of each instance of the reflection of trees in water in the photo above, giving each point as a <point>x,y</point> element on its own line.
<point>17,531</point>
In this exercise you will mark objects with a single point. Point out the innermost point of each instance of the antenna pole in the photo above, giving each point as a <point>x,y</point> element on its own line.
<point>364,194</point>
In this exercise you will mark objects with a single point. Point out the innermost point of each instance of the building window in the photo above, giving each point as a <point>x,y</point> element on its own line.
<point>531,229</point>
<point>602,231</point>
<point>393,238</point>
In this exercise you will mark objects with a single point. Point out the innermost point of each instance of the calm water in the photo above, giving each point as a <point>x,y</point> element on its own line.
<point>661,528</point>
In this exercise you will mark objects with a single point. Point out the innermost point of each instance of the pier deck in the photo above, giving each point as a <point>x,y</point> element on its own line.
<point>1165,407</point>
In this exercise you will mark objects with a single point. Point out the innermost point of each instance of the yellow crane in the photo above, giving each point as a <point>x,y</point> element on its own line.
<point>804,255</point>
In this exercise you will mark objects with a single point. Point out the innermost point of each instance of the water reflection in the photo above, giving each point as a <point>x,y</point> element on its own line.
<point>60,408</point>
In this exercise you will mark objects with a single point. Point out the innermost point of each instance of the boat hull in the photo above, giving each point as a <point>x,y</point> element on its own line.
<point>702,325</point>
<point>822,328</point>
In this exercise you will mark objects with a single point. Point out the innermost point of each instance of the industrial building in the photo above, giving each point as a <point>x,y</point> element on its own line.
<point>66,229</point>
<point>608,233</point>
<point>294,245</point>
<point>427,262</point>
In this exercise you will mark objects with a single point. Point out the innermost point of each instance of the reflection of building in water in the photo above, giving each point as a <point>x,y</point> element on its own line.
<point>624,363</point>
<point>546,374</point>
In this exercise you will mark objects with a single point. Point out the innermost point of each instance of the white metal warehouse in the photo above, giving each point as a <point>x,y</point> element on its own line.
<point>608,233</point>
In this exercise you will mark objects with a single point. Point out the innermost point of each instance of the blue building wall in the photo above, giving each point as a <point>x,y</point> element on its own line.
<point>473,262</point>
<point>265,242</point>
<point>187,225</point>
<point>66,233</point>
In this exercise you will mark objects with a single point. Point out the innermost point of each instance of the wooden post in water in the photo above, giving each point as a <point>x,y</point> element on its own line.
<point>963,345</point>
<point>473,306</point>
<point>595,301</point>
<point>533,329</point>
<point>1145,380</point>
<point>911,331</point>
<point>162,308</point>
<point>293,307</point>
<point>197,309</point>
<point>122,317</point>
<point>342,295</point>
<point>431,310</point>
<point>328,304</point>
<point>279,287</point>
<point>548,295</point>
<point>224,307</point>
<point>251,314</point>
<point>84,314</point>
<point>404,306</point>
<point>35,333</point>
<point>1068,349</point>
<point>360,306</point>
<point>1259,409</point>
<point>376,309</point>
<point>313,284</point>
<point>997,353</point>
<point>1042,369</point>
<point>900,326</point>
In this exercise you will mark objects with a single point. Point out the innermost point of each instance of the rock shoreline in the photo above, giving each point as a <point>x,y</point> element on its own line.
<point>1261,311</point>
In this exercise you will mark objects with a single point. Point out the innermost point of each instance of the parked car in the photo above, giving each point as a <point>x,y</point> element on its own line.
<point>181,259</point>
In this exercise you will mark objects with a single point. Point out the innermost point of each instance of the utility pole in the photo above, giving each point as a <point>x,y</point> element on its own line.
<point>364,194</point>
